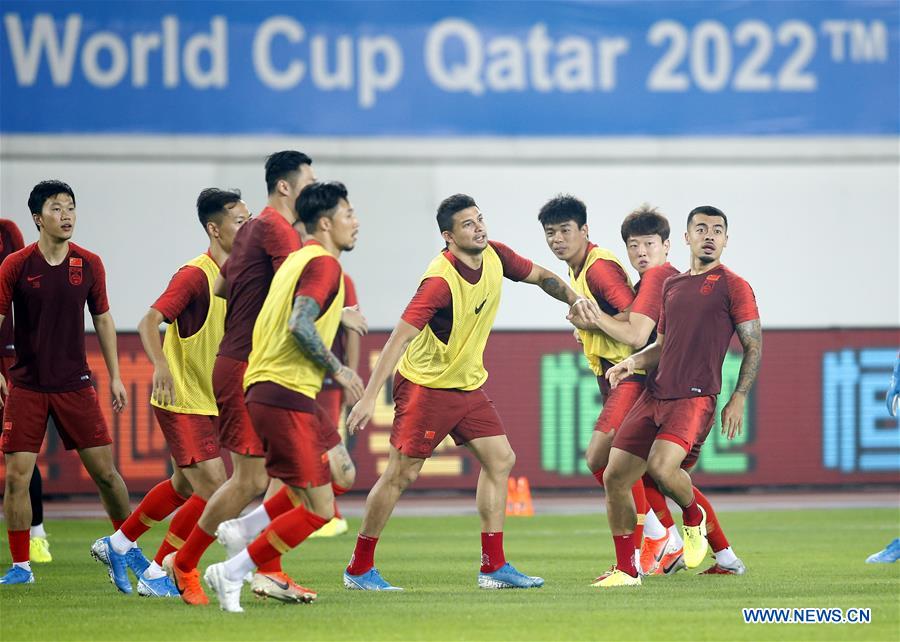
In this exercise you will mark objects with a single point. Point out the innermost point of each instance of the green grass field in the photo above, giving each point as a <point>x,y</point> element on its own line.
<point>803,558</point>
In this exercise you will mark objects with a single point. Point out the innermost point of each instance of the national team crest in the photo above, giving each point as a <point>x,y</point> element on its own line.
<point>709,284</point>
<point>75,275</point>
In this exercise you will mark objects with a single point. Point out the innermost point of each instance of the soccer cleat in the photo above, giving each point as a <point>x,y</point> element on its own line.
<point>337,526</point>
<point>136,561</point>
<point>116,563</point>
<point>507,577</point>
<point>188,584</point>
<point>616,578</point>
<point>229,535</point>
<point>279,586</point>
<point>604,575</point>
<point>158,587</point>
<point>888,555</point>
<point>652,551</point>
<point>695,544</point>
<point>371,580</point>
<point>735,568</point>
<point>671,563</point>
<point>17,575</point>
<point>39,550</point>
<point>228,592</point>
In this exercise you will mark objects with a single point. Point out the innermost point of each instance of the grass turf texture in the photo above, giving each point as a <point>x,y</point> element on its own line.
<point>802,558</point>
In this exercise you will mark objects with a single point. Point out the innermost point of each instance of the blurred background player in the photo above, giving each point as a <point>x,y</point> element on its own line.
<point>663,434</point>
<point>182,398</point>
<point>597,275</point>
<point>438,387</point>
<point>291,354</point>
<point>49,283</point>
<point>39,548</point>
<point>890,553</point>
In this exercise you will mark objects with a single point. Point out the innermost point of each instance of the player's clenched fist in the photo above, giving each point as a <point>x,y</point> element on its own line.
<point>619,371</point>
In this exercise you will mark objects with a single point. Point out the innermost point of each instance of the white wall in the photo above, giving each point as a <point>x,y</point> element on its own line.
<point>814,224</point>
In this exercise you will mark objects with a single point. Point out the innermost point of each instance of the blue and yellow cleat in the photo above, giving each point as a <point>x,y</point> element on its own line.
<point>159,587</point>
<point>17,575</point>
<point>371,580</point>
<point>888,555</point>
<point>116,563</point>
<point>507,577</point>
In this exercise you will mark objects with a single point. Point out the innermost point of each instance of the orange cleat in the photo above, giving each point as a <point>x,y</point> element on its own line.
<point>671,563</point>
<point>280,586</point>
<point>188,584</point>
<point>652,553</point>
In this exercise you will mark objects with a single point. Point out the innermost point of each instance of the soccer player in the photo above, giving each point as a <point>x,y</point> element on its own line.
<point>182,398</point>
<point>597,275</point>
<point>49,283</point>
<point>39,548</point>
<point>701,310</point>
<point>439,344</point>
<point>291,354</point>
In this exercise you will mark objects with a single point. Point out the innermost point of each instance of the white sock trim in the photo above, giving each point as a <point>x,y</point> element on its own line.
<point>25,565</point>
<point>675,536</point>
<point>726,557</point>
<point>120,543</point>
<point>253,523</point>
<point>38,531</point>
<point>653,528</point>
<point>238,566</point>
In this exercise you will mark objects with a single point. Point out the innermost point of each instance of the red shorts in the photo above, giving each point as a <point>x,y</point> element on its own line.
<point>423,417</point>
<point>191,438</point>
<point>331,402</point>
<point>685,422</point>
<point>77,415</point>
<point>328,428</point>
<point>5,364</point>
<point>295,451</point>
<point>617,403</point>
<point>236,431</point>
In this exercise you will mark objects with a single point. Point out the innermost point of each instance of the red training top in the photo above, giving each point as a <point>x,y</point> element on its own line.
<point>49,307</point>
<point>608,283</point>
<point>648,293</point>
<point>10,241</point>
<point>432,303</point>
<point>698,318</point>
<point>185,300</point>
<point>260,247</point>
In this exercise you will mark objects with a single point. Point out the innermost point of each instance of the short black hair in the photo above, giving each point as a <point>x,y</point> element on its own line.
<point>645,221</point>
<point>318,200</point>
<point>562,208</point>
<point>707,210</point>
<point>281,164</point>
<point>450,206</point>
<point>44,190</point>
<point>212,202</point>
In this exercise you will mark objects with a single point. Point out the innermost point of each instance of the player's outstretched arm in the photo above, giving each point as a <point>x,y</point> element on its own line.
<point>387,362</point>
<point>632,328</point>
<point>106,334</point>
<point>163,383</point>
<point>750,335</point>
<point>646,359</point>
<point>551,284</point>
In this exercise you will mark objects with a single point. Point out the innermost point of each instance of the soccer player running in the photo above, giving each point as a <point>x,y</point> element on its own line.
<point>291,355</point>
<point>49,283</point>
<point>596,274</point>
<point>701,310</point>
<point>39,548</point>
<point>182,398</point>
<point>439,344</point>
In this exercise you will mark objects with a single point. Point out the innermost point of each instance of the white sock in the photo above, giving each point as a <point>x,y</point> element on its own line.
<point>38,531</point>
<point>675,536</point>
<point>120,543</point>
<point>154,571</point>
<point>253,523</point>
<point>653,528</point>
<point>25,565</point>
<point>726,557</point>
<point>238,566</point>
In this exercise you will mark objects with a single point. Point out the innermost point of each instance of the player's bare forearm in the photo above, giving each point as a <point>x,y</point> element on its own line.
<point>635,330</point>
<point>106,335</point>
<point>351,351</point>
<point>551,284</point>
<point>302,325</point>
<point>750,335</point>
<point>390,356</point>
<point>148,330</point>
<point>648,358</point>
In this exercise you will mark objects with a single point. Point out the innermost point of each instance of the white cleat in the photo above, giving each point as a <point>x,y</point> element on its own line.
<point>229,535</point>
<point>228,592</point>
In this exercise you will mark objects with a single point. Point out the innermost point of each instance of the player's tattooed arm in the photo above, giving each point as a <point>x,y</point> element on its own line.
<point>750,335</point>
<point>551,284</point>
<point>302,324</point>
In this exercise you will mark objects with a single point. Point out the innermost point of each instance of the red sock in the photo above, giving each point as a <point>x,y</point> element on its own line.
<point>338,491</point>
<point>691,514</point>
<point>19,543</point>
<point>625,553</point>
<point>599,476</point>
<point>657,501</point>
<point>117,523</point>
<point>280,503</point>
<point>271,566</point>
<point>492,556</point>
<point>181,526</point>
<point>714,533</point>
<point>188,556</point>
<point>640,506</point>
<point>284,533</point>
<point>159,503</point>
<point>363,555</point>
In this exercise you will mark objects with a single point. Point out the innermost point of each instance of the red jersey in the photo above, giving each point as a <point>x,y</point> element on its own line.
<point>432,303</point>
<point>698,318</point>
<point>339,346</point>
<point>186,300</point>
<point>260,247</point>
<point>608,283</point>
<point>648,293</point>
<point>49,307</point>
<point>10,241</point>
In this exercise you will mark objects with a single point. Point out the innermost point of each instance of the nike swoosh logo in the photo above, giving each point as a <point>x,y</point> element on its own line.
<point>478,308</point>
<point>282,585</point>
<point>668,568</point>
<point>33,278</point>
<point>662,554</point>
